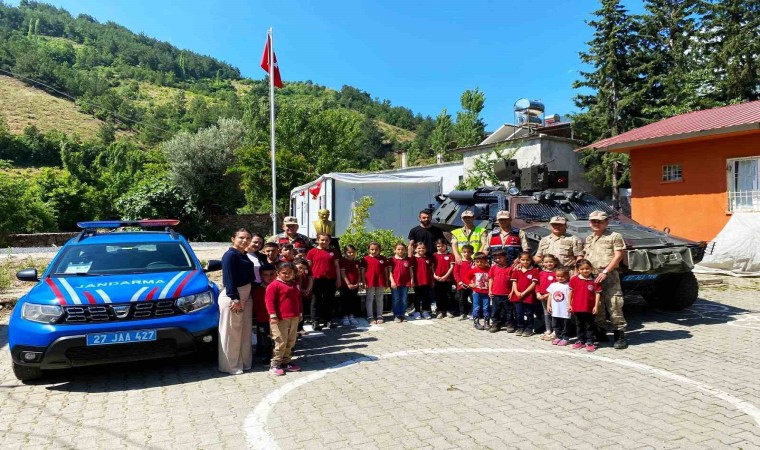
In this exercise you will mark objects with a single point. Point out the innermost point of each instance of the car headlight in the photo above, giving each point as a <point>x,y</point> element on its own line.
<point>195,302</point>
<point>41,313</point>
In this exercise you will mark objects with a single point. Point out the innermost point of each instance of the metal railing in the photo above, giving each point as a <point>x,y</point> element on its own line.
<point>744,201</point>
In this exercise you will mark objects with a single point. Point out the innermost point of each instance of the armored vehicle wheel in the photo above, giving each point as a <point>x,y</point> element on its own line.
<point>26,373</point>
<point>674,292</point>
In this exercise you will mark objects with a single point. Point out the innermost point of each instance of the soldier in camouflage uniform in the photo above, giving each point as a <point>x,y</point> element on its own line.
<point>567,249</point>
<point>604,249</point>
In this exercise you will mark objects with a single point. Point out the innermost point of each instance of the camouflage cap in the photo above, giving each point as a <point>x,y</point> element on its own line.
<point>290,220</point>
<point>597,215</point>
<point>503,215</point>
<point>559,220</point>
<point>468,213</point>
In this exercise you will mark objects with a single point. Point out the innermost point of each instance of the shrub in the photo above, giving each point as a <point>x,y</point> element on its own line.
<point>360,238</point>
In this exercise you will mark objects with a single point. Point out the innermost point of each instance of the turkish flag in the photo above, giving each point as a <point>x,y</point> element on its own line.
<point>265,63</point>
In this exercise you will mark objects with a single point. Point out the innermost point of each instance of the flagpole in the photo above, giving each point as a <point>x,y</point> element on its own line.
<point>271,131</point>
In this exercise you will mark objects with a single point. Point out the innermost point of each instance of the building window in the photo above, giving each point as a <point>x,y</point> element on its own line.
<point>744,184</point>
<point>672,172</point>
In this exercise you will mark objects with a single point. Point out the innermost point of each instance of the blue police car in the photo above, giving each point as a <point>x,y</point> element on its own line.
<point>113,296</point>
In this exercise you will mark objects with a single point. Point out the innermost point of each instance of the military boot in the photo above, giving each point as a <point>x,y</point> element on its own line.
<point>620,342</point>
<point>495,326</point>
<point>476,324</point>
<point>486,323</point>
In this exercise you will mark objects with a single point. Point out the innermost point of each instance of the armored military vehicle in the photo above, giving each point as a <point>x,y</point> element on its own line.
<point>656,265</point>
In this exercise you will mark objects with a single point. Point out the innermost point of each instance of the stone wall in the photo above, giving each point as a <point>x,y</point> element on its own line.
<point>38,239</point>
<point>258,223</point>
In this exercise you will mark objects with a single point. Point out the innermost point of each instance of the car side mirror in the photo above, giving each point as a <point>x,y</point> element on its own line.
<point>213,265</point>
<point>28,275</point>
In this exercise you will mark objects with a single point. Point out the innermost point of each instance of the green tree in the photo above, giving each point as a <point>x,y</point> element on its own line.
<point>666,52</point>
<point>469,128</point>
<point>731,39</point>
<point>442,137</point>
<point>357,235</point>
<point>68,197</point>
<point>614,105</point>
<point>199,164</point>
<point>23,209</point>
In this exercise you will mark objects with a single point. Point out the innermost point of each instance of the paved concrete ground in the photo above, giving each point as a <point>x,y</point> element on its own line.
<point>689,380</point>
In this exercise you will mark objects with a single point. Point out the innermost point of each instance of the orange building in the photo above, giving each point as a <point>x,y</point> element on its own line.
<point>690,172</point>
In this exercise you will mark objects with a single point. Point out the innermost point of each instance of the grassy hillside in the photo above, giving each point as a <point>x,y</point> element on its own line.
<point>24,105</point>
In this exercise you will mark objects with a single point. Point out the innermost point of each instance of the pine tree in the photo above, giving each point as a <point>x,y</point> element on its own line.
<point>731,38</point>
<point>666,54</point>
<point>614,105</point>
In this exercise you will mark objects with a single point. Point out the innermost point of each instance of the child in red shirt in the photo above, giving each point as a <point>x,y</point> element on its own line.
<point>374,276</point>
<point>349,289</point>
<point>477,279</point>
<point>524,279</point>
<point>461,269</point>
<point>264,344</point>
<point>401,275</point>
<point>443,279</point>
<point>585,298</point>
<point>283,300</point>
<point>325,267</point>
<point>423,282</point>
<point>499,288</point>
<point>305,283</point>
<point>545,278</point>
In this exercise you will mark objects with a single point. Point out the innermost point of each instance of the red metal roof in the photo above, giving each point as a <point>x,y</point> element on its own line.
<point>743,116</point>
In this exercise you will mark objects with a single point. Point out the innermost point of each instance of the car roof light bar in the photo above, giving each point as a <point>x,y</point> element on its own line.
<point>111,224</point>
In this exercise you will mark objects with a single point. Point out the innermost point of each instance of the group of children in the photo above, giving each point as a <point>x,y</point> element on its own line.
<point>503,295</point>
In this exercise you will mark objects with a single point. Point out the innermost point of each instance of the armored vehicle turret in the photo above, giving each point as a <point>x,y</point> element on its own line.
<point>656,265</point>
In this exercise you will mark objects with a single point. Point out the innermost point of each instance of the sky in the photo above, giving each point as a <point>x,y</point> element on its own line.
<point>418,54</point>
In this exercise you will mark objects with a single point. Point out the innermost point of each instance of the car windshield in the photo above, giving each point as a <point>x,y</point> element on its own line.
<point>122,258</point>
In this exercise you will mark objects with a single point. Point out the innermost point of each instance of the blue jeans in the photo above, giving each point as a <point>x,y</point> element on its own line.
<point>480,303</point>
<point>399,300</point>
<point>524,314</point>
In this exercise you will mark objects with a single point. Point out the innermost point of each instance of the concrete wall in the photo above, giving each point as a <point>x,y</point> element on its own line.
<point>537,150</point>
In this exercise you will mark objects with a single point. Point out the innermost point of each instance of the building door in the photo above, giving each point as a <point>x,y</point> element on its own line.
<point>744,184</point>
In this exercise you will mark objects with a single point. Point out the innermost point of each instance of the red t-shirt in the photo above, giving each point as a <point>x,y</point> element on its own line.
<point>351,267</point>
<point>461,270</point>
<point>303,281</point>
<point>502,279</point>
<point>374,271</point>
<point>443,262</point>
<point>283,299</point>
<point>260,313</point>
<point>523,280</point>
<point>584,294</point>
<point>545,278</point>
<point>400,270</point>
<point>478,277</point>
<point>423,270</point>
<point>322,263</point>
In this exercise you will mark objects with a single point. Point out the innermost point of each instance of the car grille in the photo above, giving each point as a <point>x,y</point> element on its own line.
<point>85,356</point>
<point>119,312</point>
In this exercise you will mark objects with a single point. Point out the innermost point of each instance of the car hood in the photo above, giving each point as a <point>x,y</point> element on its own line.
<point>83,290</point>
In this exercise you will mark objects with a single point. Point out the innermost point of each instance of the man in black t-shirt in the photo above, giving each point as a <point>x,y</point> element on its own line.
<point>425,232</point>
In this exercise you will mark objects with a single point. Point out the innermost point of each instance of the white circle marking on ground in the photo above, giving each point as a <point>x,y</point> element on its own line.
<point>259,437</point>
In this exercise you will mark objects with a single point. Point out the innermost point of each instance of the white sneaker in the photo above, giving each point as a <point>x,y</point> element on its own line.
<point>426,315</point>
<point>463,317</point>
<point>440,316</point>
<point>353,322</point>
<point>346,322</point>
<point>449,315</point>
<point>237,372</point>
<point>416,316</point>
